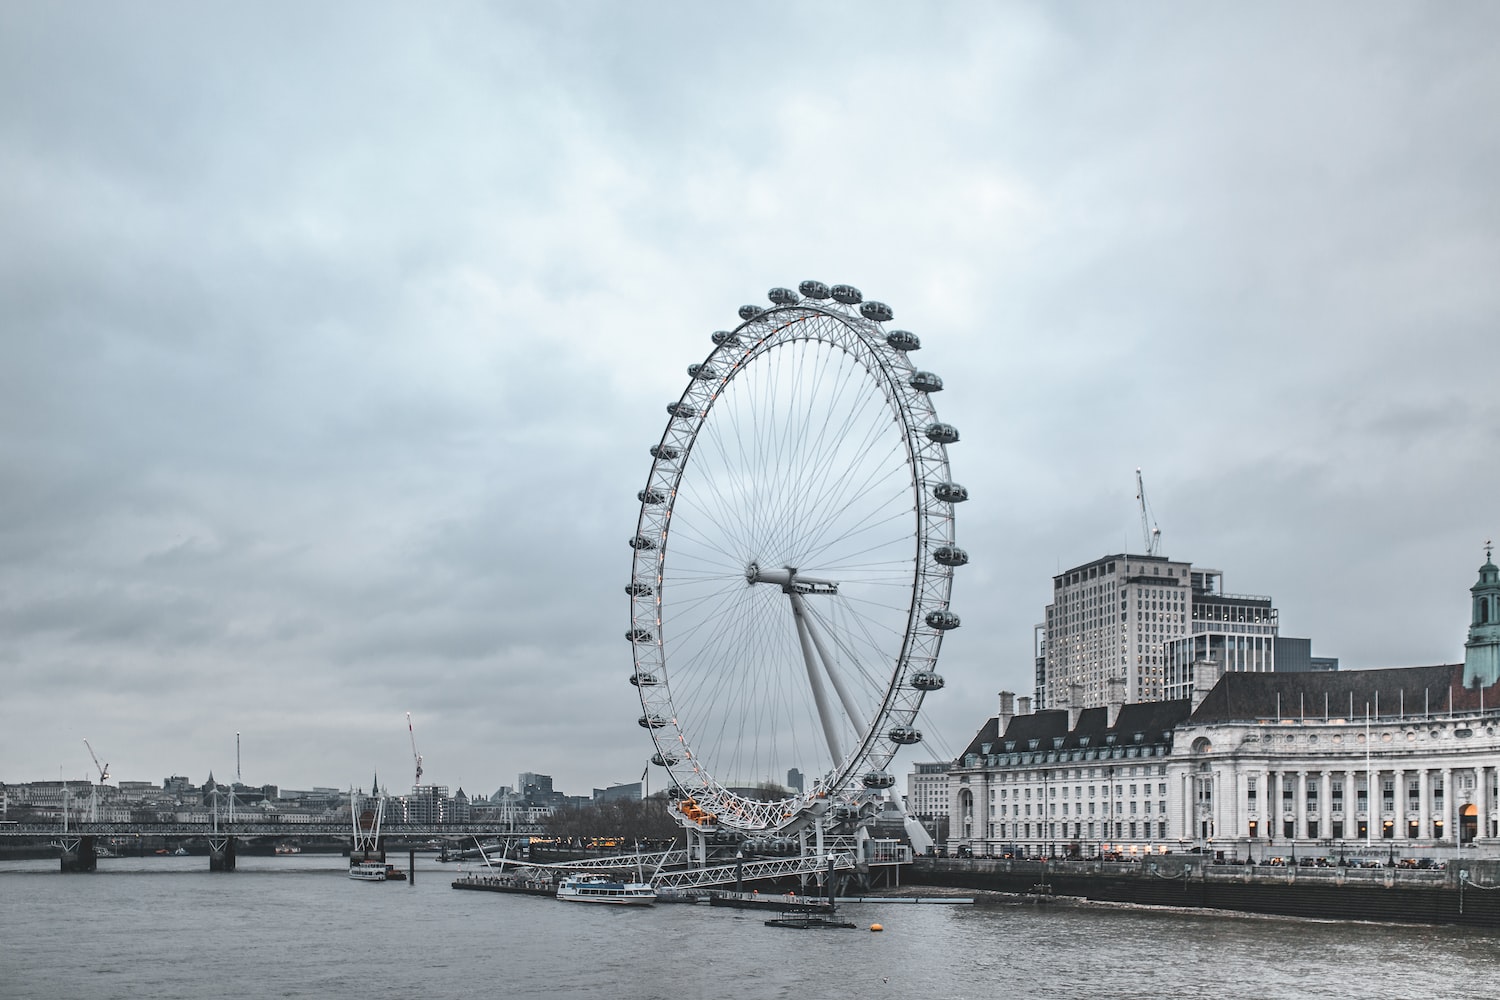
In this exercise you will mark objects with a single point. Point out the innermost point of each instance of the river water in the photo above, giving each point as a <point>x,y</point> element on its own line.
<point>298,927</point>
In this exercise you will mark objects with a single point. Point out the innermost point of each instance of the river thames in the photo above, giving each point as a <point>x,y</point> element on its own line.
<point>298,927</point>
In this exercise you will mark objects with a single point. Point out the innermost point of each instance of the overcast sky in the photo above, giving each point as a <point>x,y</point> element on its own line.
<point>333,337</point>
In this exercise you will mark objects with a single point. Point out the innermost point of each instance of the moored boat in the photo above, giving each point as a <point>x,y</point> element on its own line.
<point>367,871</point>
<point>598,889</point>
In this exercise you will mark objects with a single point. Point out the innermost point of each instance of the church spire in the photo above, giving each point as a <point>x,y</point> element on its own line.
<point>1482,651</point>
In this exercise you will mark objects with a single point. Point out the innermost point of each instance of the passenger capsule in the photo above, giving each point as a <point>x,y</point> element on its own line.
<point>782,296</point>
<point>683,411</point>
<point>903,340</point>
<point>905,735</point>
<point>650,722</point>
<point>950,492</point>
<point>847,294</point>
<point>942,620</point>
<point>942,433</point>
<point>643,679</point>
<point>877,312</point>
<point>925,382</point>
<point>750,312</point>
<point>663,760</point>
<point>814,289</point>
<point>665,452</point>
<point>722,337</point>
<point>950,555</point>
<point>638,589</point>
<point>702,372</point>
<point>639,635</point>
<point>927,680</point>
<point>651,497</point>
<point>641,543</point>
<point>879,779</point>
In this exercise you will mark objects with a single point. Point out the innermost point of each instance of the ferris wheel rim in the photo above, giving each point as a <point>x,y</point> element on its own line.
<point>887,366</point>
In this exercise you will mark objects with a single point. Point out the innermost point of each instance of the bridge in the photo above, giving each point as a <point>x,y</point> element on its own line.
<point>676,869</point>
<point>78,840</point>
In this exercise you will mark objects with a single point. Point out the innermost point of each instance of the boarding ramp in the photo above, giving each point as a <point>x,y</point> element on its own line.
<point>750,871</point>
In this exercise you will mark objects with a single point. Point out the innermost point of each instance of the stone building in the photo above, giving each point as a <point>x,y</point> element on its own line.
<point>1067,782</point>
<point>1403,763</point>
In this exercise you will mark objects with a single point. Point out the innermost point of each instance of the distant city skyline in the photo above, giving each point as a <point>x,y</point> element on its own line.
<point>331,358</point>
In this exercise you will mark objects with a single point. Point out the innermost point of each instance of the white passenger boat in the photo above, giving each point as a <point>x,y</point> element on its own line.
<point>368,871</point>
<point>598,889</point>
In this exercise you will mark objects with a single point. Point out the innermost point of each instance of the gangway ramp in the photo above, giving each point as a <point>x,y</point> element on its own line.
<point>698,878</point>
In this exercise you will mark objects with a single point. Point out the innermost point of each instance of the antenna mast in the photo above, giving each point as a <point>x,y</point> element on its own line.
<point>1150,533</point>
<point>415,756</point>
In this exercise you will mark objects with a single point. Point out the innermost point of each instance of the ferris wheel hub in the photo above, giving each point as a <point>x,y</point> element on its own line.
<point>789,580</point>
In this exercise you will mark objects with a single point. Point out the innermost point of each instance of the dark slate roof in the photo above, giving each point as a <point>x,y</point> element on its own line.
<point>1153,720</point>
<point>1342,694</point>
<point>986,734</point>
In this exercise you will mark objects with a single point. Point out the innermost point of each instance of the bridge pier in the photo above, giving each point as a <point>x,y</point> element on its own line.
<point>78,855</point>
<point>221,854</point>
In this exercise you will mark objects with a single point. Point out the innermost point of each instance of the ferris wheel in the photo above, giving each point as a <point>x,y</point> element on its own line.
<point>792,563</point>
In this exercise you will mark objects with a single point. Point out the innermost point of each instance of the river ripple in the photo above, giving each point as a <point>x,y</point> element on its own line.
<point>297,927</point>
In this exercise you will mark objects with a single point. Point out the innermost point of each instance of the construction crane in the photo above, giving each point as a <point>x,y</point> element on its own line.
<point>93,788</point>
<point>103,768</point>
<point>415,756</point>
<point>1149,531</point>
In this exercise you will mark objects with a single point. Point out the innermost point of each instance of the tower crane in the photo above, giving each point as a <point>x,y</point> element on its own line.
<point>415,756</point>
<point>103,768</point>
<point>1149,531</point>
<point>93,788</point>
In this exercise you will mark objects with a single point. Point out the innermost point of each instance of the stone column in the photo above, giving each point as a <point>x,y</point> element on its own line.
<point>1448,805</point>
<point>1482,800</point>
<point>1325,805</point>
<point>1351,805</point>
<point>1398,777</point>
<point>1238,827</point>
<point>1189,806</point>
<point>1279,781</point>
<point>1424,804</point>
<point>1262,801</point>
<point>1299,806</point>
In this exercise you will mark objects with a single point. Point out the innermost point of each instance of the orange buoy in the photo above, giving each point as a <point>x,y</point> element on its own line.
<point>876,927</point>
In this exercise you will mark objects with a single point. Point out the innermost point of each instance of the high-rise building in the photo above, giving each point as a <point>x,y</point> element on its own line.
<point>927,792</point>
<point>1119,616</point>
<point>1235,632</point>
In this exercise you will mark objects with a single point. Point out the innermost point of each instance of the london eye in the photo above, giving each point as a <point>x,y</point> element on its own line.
<point>792,563</point>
